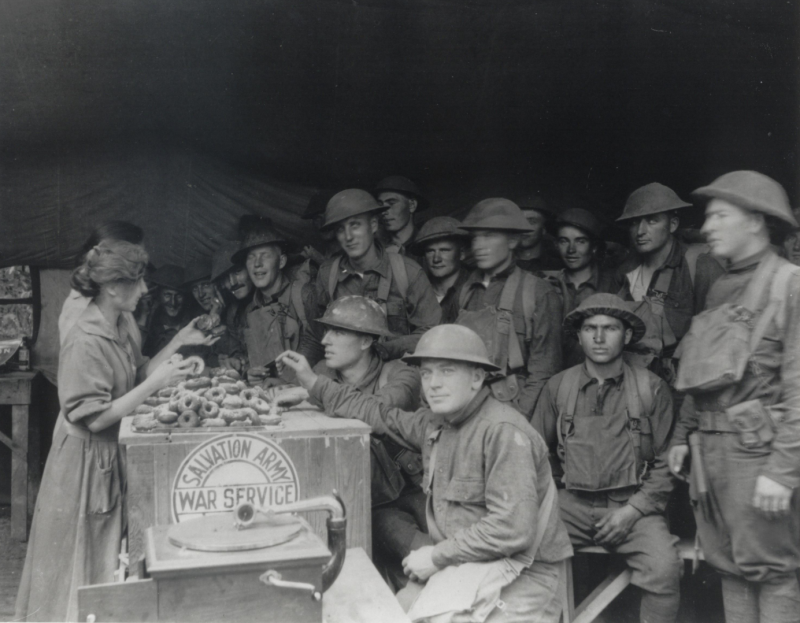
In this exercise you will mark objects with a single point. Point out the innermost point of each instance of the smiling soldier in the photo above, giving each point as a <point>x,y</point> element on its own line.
<point>740,364</point>
<point>492,509</point>
<point>608,423</point>
<point>400,199</point>
<point>171,312</point>
<point>365,268</point>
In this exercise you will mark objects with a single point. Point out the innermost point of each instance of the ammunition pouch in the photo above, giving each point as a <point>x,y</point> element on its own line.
<point>752,422</point>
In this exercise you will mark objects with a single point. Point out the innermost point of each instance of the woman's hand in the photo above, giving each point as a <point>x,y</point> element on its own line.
<point>305,375</point>
<point>169,372</point>
<point>190,335</point>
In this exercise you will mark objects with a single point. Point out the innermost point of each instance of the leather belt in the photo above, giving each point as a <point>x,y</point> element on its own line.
<point>714,422</point>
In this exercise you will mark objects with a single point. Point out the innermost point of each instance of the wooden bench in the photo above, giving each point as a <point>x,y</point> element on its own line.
<point>608,590</point>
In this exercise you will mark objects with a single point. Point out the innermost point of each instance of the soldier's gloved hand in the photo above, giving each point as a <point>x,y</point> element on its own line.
<point>305,375</point>
<point>418,565</point>
<point>616,525</point>
<point>772,498</point>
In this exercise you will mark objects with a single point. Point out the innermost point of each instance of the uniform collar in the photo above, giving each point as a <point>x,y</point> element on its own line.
<point>593,280</point>
<point>587,379</point>
<point>477,276</point>
<point>381,266</point>
<point>468,412</point>
<point>749,263</point>
<point>673,260</point>
<point>262,300</point>
<point>93,322</point>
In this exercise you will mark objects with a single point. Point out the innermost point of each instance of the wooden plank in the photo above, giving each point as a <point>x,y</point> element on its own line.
<point>19,473</point>
<point>359,594</point>
<point>163,484</point>
<point>119,601</point>
<point>141,498</point>
<point>176,453</point>
<point>353,483</point>
<point>604,594</point>
<point>15,388</point>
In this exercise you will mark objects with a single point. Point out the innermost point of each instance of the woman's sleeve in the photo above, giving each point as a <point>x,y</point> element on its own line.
<point>85,380</point>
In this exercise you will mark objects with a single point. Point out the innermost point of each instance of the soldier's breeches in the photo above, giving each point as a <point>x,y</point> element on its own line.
<point>775,601</point>
<point>649,550</point>
<point>739,539</point>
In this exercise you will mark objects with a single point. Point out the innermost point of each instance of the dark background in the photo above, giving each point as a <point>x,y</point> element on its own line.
<point>183,115</point>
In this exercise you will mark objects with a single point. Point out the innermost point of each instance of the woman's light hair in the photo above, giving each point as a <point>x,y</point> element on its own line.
<point>110,261</point>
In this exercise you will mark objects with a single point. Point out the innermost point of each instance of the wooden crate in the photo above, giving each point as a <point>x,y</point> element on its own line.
<point>327,453</point>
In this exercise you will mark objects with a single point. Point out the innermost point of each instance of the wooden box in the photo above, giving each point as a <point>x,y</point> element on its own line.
<point>310,455</point>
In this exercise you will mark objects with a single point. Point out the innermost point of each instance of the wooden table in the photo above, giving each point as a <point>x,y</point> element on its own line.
<point>16,389</point>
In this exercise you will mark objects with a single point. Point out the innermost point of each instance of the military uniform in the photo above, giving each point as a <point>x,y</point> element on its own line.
<point>478,516</point>
<point>608,460</point>
<point>409,317</point>
<point>485,308</point>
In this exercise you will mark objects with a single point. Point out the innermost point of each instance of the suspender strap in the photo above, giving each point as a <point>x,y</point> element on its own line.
<point>567,401</point>
<point>399,273</point>
<point>333,278</point>
<point>510,288</point>
<point>297,301</point>
<point>660,290</point>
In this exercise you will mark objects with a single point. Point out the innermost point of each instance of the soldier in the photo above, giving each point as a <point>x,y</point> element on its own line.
<point>171,312</point>
<point>442,246</point>
<point>475,448</point>
<point>365,268</point>
<point>276,317</point>
<point>237,289</point>
<point>534,252</point>
<point>198,282</point>
<point>580,244</point>
<point>517,314</point>
<point>739,361</point>
<point>353,325</point>
<point>400,199</point>
<point>608,424</point>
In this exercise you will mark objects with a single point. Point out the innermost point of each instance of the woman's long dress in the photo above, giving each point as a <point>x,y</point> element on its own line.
<point>80,512</point>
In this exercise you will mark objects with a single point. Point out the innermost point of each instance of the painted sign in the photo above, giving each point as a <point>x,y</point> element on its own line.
<point>230,469</point>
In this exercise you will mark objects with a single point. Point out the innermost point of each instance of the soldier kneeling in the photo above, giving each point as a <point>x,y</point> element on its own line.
<point>609,424</point>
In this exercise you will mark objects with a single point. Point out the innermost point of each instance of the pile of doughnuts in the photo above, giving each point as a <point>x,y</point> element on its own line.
<point>212,397</point>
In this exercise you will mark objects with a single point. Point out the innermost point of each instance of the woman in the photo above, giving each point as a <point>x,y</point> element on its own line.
<point>80,512</point>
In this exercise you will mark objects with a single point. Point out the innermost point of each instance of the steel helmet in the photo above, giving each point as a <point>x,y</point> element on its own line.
<point>582,219</point>
<point>347,203</point>
<point>356,313</point>
<point>604,304</point>
<point>437,228</point>
<point>452,341</point>
<point>496,213</point>
<point>261,235</point>
<point>752,191</point>
<point>651,199</point>
<point>403,185</point>
<point>221,260</point>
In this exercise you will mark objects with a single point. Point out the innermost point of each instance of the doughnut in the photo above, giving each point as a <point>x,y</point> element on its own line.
<point>166,392</point>
<point>232,402</point>
<point>199,364</point>
<point>163,400</point>
<point>215,394</point>
<point>213,422</point>
<point>249,413</point>
<point>216,371</point>
<point>189,402</point>
<point>206,322</point>
<point>144,409</point>
<point>232,374</point>
<point>261,406</point>
<point>174,402</point>
<point>176,358</point>
<point>188,419</point>
<point>152,401</point>
<point>209,410</point>
<point>240,423</point>
<point>242,385</point>
<point>144,421</point>
<point>167,417</point>
<point>198,383</point>
<point>232,415</point>
<point>230,388</point>
<point>217,331</point>
<point>248,394</point>
<point>270,420</point>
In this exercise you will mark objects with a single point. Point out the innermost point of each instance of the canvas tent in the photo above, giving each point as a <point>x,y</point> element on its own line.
<point>183,115</point>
